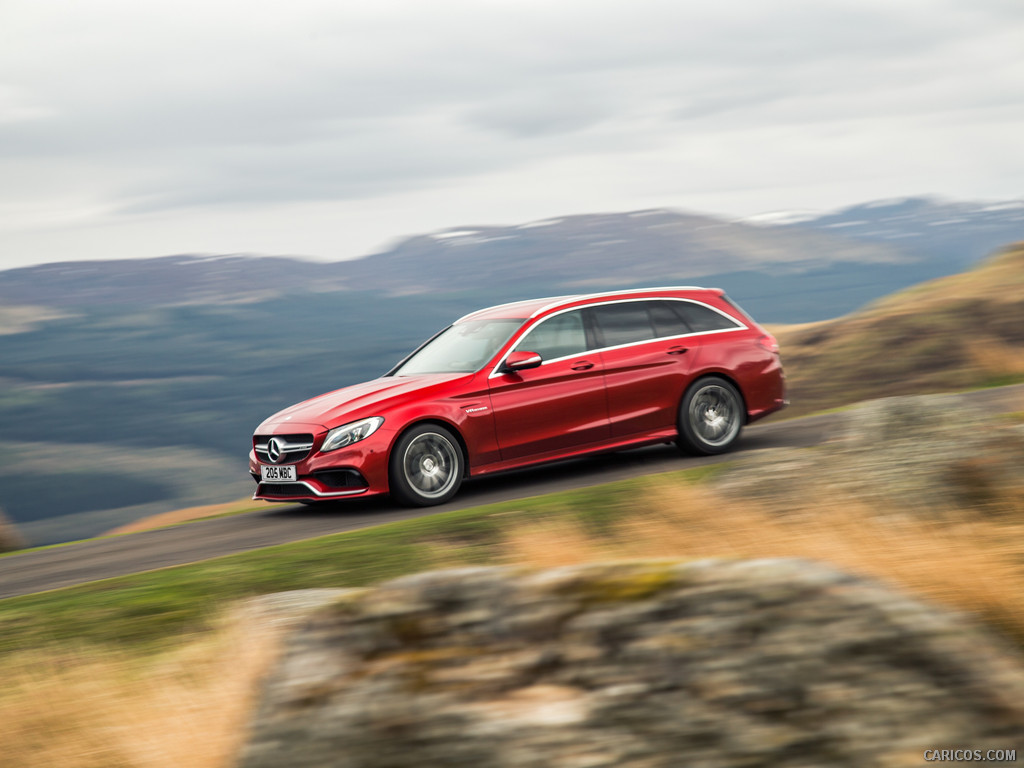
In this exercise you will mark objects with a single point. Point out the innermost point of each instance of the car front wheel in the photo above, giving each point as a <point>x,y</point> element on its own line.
<point>426,466</point>
<point>711,416</point>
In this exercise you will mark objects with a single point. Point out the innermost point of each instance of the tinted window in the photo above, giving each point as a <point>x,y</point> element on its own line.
<point>667,322</point>
<point>623,323</point>
<point>558,336</point>
<point>701,318</point>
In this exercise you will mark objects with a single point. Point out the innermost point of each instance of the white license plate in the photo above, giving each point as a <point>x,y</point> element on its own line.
<point>273,474</point>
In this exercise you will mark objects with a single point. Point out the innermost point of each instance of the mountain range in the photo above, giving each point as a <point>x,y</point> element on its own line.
<point>783,268</point>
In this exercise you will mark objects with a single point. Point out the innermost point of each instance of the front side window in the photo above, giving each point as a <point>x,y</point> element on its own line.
<point>559,336</point>
<point>461,348</point>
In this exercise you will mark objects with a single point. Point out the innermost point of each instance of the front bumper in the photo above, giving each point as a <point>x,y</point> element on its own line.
<point>358,470</point>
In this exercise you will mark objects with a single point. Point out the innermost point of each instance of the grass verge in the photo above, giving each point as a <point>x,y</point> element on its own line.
<point>144,610</point>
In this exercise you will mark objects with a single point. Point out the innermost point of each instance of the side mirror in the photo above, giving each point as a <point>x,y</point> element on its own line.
<point>520,361</point>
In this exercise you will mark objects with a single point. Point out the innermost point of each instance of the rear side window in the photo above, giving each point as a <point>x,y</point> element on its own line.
<point>559,336</point>
<point>625,323</point>
<point>703,319</point>
<point>667,321</point>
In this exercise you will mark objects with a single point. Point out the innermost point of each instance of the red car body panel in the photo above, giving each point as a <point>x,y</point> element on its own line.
<point>644,384</point>
<point>559,406</point>
<point>603,398</point>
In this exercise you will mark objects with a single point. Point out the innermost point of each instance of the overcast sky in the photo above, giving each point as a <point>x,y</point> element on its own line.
<point>326,128</point>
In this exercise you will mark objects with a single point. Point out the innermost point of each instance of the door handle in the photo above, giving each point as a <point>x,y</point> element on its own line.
<point>678,350</point>
<point>582,365</point>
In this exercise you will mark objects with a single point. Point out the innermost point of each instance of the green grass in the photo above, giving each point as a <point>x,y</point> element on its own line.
<point>146,611</point>
<point>1005,380</point>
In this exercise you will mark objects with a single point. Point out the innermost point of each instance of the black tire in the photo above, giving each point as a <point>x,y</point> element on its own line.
<point>711,416</point>
<point>426,466</point>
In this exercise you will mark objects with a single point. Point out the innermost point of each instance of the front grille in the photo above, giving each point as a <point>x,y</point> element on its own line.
<point>294,448</point>
<point>283,489</point>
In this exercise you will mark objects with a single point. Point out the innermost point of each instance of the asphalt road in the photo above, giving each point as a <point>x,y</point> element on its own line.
<point>77,563</point>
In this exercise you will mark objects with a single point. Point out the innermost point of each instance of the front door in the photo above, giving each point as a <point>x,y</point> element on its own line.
<point>558,406</point>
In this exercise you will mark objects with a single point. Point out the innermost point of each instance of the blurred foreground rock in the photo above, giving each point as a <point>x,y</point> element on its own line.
<point>708,663</point>
<point>925,455</point>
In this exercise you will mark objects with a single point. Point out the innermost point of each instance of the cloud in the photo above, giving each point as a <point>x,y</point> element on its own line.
<point>139,108</point>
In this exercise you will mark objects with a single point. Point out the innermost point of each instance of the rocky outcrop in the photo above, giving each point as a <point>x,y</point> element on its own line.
<point>707,663</point>
<point>921,455</point>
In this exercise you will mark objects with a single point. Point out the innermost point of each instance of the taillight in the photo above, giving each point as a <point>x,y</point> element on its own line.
<point>768,342</point>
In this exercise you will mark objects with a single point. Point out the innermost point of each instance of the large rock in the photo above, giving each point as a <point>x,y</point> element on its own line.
<point>709,663</point>
<point>931,455</point>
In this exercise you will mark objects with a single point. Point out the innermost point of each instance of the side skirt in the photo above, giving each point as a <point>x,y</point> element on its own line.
<point>633,441</point>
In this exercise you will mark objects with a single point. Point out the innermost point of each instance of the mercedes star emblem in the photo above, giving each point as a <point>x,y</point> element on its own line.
<point>275,450</point>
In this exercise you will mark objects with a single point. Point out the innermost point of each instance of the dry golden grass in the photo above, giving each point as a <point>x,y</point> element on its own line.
<point>184,516</point>
<point>973,565</point>
<point>947,334</point>
<point>996,357</point>
<point>998,280</point>
<point>113,711</point>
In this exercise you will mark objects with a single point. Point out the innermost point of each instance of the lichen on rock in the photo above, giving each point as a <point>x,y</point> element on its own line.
<point>701,663</point>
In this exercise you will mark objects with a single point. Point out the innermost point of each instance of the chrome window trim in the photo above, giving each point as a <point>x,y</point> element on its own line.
<point>557,301</point>
<point>496,371</point>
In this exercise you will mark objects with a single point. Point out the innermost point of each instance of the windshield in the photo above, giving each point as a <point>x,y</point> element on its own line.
<point>460,348</point>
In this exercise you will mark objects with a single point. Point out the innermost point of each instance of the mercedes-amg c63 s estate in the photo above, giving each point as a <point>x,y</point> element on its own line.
<point>529,382</point>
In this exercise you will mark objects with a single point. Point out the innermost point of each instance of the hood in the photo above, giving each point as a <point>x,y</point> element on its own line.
<point>370,398</point>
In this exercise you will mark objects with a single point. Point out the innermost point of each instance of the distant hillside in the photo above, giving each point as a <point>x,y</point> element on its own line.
<point>119,412</point>
<point>166,280</point>
<point>782,271</point>
<point>955,332</point>
<point>597,252</point>
<point>952,233</point>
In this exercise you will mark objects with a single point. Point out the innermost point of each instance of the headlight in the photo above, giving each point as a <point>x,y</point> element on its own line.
<point>351,433</point>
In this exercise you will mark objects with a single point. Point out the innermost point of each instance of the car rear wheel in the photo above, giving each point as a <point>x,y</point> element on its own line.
<point>711,416</point>
<point>426,466</point>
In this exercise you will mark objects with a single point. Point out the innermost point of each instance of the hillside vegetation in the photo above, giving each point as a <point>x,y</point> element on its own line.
<point>958,332</point>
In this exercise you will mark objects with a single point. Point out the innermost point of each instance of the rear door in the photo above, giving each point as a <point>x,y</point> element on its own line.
<point>558,406</point>
<point>648,357</point>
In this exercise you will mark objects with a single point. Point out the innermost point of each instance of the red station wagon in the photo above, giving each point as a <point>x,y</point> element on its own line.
<point>524,383</point>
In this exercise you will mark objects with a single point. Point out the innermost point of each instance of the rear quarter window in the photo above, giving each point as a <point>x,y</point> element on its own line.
<point>703,319</point>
